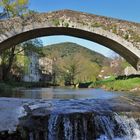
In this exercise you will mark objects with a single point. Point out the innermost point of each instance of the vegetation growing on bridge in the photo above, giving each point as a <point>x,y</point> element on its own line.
<point>56,22</point>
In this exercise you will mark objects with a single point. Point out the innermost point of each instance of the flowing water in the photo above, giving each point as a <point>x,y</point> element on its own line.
<point>61,93</point>
<point>73,114</point>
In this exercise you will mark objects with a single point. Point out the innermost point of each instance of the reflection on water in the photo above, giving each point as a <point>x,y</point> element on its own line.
<point>61,93</point>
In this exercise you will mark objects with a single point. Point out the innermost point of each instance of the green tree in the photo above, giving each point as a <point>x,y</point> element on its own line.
<point>71,67</point>
<point>74,63</point>
<point>34,45</point>
<point>22,60</point>
<point>12,8</point>
<point>56,71</point>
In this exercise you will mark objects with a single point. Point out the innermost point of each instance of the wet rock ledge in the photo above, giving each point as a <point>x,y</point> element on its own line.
<point>68,119</point>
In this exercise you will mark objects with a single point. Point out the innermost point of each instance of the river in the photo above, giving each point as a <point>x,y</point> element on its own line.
<point>69,114</point>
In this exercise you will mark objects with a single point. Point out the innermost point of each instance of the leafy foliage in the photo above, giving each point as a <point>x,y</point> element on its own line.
<point>11,8</point>
<point>33,45</point>
<point>14,7</point>
<point>74,63</point>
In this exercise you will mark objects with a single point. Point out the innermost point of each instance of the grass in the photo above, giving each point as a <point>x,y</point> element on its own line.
<point>99,83</point>
<point>118,85</point>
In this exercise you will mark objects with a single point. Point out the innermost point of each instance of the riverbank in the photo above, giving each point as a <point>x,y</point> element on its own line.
<point>111,84</point>
<point>5,87</point>
<point>131,84</point>
<point>12,86</point>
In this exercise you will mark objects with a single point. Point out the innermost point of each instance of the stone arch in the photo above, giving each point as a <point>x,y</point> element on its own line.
<point>77,24</point>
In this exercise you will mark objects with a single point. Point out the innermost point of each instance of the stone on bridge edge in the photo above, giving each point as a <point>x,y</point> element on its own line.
<point>138,65</point>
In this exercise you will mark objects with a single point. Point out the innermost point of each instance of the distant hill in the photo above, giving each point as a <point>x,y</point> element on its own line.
<point>68,49</point>
<point>85,63</point>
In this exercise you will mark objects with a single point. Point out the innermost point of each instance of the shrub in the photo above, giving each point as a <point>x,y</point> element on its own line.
<point>4,87</point>
<point>56,22</point>
<point>66,25</point>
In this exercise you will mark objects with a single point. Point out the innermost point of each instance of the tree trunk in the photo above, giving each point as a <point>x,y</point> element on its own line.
<point>7,68</point>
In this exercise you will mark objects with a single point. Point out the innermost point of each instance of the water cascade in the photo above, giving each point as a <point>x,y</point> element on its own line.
<point>80,126</point>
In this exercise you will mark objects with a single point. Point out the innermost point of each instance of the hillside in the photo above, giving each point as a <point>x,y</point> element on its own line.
<point>68,49</point>
<point>74,63</point>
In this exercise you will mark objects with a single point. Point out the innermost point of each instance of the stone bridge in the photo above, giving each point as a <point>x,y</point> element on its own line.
<point>121,36</point>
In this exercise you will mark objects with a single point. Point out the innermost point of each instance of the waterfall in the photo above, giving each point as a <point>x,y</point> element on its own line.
<point>83,126</point>
<point>68,128</point>
<point>53,126</point>
<point>119,128</point>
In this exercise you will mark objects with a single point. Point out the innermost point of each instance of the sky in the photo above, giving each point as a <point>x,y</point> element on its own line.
<point>122,9</point>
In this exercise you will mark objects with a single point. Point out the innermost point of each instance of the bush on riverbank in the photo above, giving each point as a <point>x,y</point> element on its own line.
<point>4,87</point>
<point>10,86</point>
<point>99,83</point>
<point>28,84</point>
<point>118,85</point>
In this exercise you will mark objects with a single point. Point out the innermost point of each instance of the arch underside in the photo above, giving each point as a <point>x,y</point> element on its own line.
<point>49,31</point>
